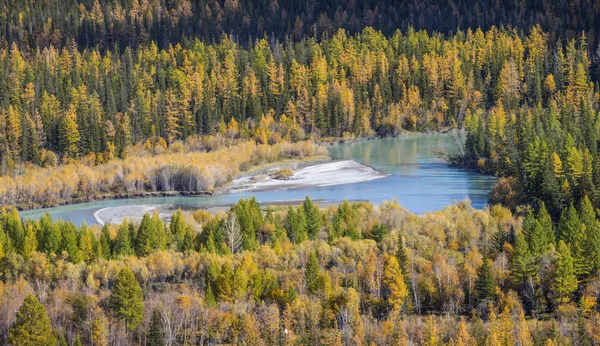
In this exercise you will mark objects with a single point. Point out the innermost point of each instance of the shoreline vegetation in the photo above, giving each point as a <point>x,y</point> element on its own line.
<point>371,265</point>
<point>183,172</point>
<point>311,155</point>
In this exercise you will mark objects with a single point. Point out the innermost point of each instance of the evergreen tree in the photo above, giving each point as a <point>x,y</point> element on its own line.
<point>587,214</point>
<point>312,274</point>
<point>522,266</point>
<point>313,218</point>
<point>69,243</point>
<point>146,237</point>
<point>178,228</point>
<point>485,284</point>
<point>564,282</point>
<point>156,332</point>
<point>122,245</point>
<point>105,242</point>
<point>32,327</point>
<point>126,299</point>
<point>569,225</point>
<point>547,224</point>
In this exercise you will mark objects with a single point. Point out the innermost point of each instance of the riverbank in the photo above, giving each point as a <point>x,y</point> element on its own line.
<point>116,215</point>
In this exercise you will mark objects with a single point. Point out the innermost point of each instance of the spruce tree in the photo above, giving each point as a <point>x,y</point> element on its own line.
<point>485,284</point>
<point>156,333</point>
<point>69,243</point>
<point>32,327</point>
<point>313,218</point>
<point>105,242</point>
<point>146,237</point>
<point>312,274</point>
<point>521,262</point>
<point>178,228</point>
<point>126,299</point>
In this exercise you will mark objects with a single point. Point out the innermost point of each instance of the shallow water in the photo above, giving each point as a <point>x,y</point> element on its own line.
<point>418,179</point>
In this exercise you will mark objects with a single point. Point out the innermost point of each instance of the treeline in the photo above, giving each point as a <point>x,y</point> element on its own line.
<point>200,166</point>
<point>541,132</point>
<point>347,275</point>
<point>104,23</point>
<point>58,104</point>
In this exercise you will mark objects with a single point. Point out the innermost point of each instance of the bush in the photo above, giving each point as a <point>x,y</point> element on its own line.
<point>283,174</point>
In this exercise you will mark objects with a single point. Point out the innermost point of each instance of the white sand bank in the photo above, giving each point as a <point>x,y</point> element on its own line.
<point>323,174</point>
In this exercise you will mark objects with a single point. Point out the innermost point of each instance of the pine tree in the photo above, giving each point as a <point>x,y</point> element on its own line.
<point>564,282</point>
<point>313,218</point>
<point>547,224</point>
<point>312,274</point>
<point>569,225</point>
<point>485,284</point>
<point>122,245</point>
<point>32,327</point>
<point>30,242</point>
<point>521,262</point>
<point>146,237</point>
<point>156,332</point>
<point>105,242</point>
<point>126,299</point>
<point>86,244</point>
<point>69,242</point>
<point>588,217</point>
<point>178,227</point>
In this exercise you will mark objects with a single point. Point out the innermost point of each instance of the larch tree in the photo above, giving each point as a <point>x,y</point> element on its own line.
<point>394,283</point>
<point>32,326</point>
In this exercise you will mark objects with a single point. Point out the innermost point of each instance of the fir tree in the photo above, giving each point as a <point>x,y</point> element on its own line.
<point>312,274</point>
<point>313,218</point>
<point>485,284</point>
<point>156,332</point>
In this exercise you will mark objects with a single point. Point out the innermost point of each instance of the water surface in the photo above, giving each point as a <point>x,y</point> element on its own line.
<point>418,179</point>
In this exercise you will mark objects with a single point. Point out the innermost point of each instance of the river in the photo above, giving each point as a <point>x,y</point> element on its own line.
<point>417,178</point>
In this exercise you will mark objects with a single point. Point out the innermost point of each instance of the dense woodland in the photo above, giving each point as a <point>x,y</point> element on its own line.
<point>354,274</point>
<point>111,98</point>
<point>106,23</point>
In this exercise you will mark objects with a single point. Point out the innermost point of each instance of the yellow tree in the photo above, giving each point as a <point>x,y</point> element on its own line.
<point>394,282</point>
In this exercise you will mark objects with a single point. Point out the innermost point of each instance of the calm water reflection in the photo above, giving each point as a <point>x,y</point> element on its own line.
<point>418,179</point>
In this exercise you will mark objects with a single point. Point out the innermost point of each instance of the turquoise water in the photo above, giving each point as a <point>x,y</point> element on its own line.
<point>418,179</point>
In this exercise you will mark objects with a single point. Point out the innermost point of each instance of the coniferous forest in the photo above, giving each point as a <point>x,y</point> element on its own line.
<point>130,98</point>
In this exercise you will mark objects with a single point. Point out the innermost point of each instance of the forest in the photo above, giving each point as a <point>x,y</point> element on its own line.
<point>131,98</point>
<point>352,274</point>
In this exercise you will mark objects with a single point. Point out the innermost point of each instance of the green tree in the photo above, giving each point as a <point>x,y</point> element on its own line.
<point>126,299</point>
<point>564,282</point>
<point>485,284</point>
<point>32,327</point>
<point>312,274</point>
<point>122,245</point>
<point>569,225</point>
<point>313,218</point>
<point>156,334</point>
